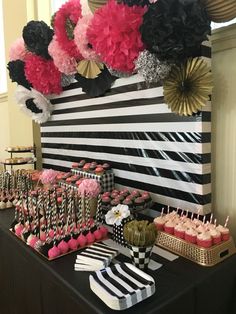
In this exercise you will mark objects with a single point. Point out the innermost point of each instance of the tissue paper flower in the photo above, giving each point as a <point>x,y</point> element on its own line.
<point>37,36</point>
<point>17,50</point>
<point>114,35</point>
<point>17,73</point>
<point>65,63</point>
<point>48,176</point>
<point>43,75</point>
<point>33,103</point>
<point>117,214</point>
<point>64,22</point>
<point>81,39</point>
<point>89,187</point>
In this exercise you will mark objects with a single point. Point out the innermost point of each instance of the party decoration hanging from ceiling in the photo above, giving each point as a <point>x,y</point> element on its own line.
<point>188,87</point>
<point>175,29</point>
<point>153,38</point>
<point>220,11</point>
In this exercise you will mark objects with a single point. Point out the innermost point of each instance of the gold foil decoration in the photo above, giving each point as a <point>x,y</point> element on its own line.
<point>89,69</point>
<point>188,86</point>
<point>220,11</point>
<point>96,4</point>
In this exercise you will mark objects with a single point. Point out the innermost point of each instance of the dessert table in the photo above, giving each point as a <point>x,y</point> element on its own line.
<point>30,284</point>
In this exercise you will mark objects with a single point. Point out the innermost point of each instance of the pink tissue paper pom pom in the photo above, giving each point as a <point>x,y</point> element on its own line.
<point>114,35</point>
<point>18,51</point>
<point>43,75</point>
<point>81,40</point>
<point>48,176</point>
<point>89,187</point>
<point>62,60</point>
<point>70,10</point>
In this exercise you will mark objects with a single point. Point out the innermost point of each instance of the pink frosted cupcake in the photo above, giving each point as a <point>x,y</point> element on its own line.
<point>216,236</point>
<point>179,230</point>
<point>201,229</point>
<point>204,239</point>
<point>159,223</point>
<point>224,232</point>
<point>191,235</point>
<point>169,227</point>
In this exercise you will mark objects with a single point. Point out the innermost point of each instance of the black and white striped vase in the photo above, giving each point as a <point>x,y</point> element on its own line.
<point>118,232</point>
<point>140,256</point>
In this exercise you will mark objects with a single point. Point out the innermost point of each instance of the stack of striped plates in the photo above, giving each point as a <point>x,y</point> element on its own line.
<point>122,285</point>
<point>95,257</point>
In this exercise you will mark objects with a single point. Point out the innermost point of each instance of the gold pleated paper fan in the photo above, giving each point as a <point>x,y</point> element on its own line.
<point>89,69</point>
<point>96,4</point>
<point>188,86</point>
<point>220,11</point>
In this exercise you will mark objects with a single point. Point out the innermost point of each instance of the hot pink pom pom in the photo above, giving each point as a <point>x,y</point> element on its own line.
<point>62,60</point>
<point>70,10</point>
<point>43,75</point>
<point>90,237</point>
<point>48,176</point>
<point>81,39</point>
<point>89,187</point>
<point>114,34</point>
<point>81,240</point>
<point>19,229</point>
<point>72,244</point>
<point>18,51</point>
<point>98,234</point>
<point>53,252</point>
<point>104,231</point>
<point>63,247</point>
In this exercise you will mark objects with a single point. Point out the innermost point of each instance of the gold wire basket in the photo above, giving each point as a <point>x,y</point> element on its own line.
<point>195,253</point>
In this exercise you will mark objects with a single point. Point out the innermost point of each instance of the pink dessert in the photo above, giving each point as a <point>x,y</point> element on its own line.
<point>19,229</point>
<point>42,236</point>
<point>169,227</point>
<point>104,231</point>
<point>106,194</point>
<point>201,229</point>
<point>204,239</point>
<point>98,234</point>
<point>191,235</point>
<point>216,236</point>
<point>99,170</point>
<point>32,240</point>
<point>81,240</point>
<point>159,223</point>
<point>114,194</point>
<point>179,230</point>
<point>72,243</point>
<point>90,237</point>
<point>224,232</point>
<point>63,247</point>
<point>53,252</point>
<point>51,233</point>
<point>75,165</point>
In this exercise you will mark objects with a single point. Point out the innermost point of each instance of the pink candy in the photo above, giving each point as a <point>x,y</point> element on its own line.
<point>90,237</point>
<point>98,234</point>
<point>81,240</point>
<point>18,229</point>
<point>53,252</point>
<point>63,247</point>
<point>104,231</point>
<point>72,244</point>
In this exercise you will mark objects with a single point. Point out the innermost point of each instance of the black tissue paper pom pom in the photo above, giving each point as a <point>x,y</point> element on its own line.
<point>32,106</point>
<point>140,3</point>
<point>37,36</point>
<point>17,73</point>
<point>175,29</point>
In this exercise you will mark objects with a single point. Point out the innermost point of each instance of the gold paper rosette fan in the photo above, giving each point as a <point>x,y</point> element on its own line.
<point>188,86</point>
<point>96,4</point>
<point>220,11</point>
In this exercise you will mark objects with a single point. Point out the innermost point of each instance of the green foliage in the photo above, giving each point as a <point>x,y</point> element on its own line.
<point>140,233</point>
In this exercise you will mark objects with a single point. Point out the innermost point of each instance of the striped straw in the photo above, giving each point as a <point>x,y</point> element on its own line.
<point>226,221</point>
<point>98,218</point>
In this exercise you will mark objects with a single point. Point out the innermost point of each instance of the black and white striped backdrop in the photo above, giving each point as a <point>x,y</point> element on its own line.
<point>131,127</point>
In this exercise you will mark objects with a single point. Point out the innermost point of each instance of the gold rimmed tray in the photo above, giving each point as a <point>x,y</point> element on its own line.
<point>202,256</point>
<point>55,258</point>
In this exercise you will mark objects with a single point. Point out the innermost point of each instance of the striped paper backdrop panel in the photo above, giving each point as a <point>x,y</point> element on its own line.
<point>131,127</point>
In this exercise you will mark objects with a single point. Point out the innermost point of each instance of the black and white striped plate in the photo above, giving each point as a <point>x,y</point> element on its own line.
<point>122,285</point>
